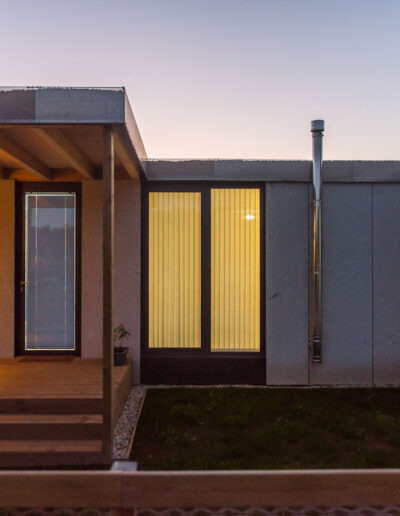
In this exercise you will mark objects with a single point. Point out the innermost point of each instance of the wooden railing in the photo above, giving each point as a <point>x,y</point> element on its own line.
<point>123,491</point>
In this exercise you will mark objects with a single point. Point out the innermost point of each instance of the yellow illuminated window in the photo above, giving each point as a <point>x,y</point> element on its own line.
<point>174,270</point>
<point>235,270</point>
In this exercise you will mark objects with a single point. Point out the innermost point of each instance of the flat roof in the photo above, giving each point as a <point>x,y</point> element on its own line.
<point>78,114</point>
<point>50,129</point>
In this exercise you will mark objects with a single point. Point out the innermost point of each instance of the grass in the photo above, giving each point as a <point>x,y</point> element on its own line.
<point>242,428</point>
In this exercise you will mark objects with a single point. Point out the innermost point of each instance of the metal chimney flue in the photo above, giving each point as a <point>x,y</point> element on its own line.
<point>317,129</point>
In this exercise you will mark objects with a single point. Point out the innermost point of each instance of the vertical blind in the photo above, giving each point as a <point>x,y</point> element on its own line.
<point>174,270</point>
<point>235,269</point>
<point>50,270</point>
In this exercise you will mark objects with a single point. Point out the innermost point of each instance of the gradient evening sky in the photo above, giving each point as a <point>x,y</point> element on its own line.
<point>223,78</point>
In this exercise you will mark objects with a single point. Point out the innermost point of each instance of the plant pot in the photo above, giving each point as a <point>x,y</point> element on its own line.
<point>120,355</point>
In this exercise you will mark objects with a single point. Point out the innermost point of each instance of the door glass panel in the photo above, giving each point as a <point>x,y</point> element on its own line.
<point>174,269</point>
<point>235,269</point>
<point>50,261</point>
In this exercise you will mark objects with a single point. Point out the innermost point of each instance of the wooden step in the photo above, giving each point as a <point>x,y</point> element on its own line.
<point>31,460</point>
<point>50,418</point>
<point>52,446</point>
<point>50,426</point>
<point>51,406</point>
<point>52,453</point>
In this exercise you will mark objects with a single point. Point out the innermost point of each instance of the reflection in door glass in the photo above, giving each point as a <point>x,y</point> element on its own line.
<point>49,282</point>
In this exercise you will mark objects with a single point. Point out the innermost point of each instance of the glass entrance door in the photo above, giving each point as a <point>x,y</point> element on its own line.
<point>49,271</point>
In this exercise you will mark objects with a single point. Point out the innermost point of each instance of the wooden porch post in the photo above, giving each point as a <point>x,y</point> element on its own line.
<point>108,257</point>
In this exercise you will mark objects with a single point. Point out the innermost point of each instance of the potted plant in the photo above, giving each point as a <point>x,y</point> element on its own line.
<point>121,336</point>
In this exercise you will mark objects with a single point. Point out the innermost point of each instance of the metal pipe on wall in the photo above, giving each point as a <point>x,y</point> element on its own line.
<point>317,129</point>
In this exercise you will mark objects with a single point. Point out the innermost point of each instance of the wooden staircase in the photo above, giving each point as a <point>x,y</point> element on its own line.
<point>50,432</point>
<point>51,411</point>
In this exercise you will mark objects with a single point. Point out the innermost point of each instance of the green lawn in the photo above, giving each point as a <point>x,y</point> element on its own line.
<point>241,428</point>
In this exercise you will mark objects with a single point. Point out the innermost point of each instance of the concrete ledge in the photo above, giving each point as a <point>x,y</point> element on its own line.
<point>174,170</point>
<point>77,105</point>
<point>334,171</point>
<point>271,171</point>
<point>62,105</point>
<point>381,171</point>
<point>262,170</point>
<point>17,105</point>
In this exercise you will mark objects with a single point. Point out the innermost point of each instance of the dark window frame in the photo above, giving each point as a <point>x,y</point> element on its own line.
<point>204,187</point>
<point>39,186</point>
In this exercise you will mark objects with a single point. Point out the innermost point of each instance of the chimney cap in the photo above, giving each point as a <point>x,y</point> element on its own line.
<point>317,126</point>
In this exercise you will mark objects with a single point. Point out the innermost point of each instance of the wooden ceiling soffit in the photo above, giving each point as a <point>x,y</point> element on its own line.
<point>65,148</point>
<point>126,153</point>
<point>23,158</point>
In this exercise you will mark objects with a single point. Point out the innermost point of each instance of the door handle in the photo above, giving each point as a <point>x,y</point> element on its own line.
<point>23,284</point>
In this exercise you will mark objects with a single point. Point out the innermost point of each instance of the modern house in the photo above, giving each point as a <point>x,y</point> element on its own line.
<point>212,265</point>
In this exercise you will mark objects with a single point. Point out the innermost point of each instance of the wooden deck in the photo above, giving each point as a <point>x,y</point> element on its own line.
<point>51,410</point>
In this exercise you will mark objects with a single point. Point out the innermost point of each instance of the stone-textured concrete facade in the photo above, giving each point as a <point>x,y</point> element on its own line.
<point>287,283</point>
<point>360,285</point>
<point>360,269</point>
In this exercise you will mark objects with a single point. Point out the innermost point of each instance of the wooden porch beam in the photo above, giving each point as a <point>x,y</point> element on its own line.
<point>23,158</point>
<point>126,154</point>
<point>66,149</point>
<point>108,259</point>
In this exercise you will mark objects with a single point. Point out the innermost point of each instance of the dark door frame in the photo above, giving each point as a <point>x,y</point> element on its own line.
<point>21,189</point>
<point>201,366</point>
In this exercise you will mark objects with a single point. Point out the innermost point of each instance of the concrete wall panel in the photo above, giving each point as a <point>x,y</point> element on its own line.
<point>287,283</point>
<point>386,257</point>
<point>7,261</point>
<point>347,286</point>
<point>80,104</point>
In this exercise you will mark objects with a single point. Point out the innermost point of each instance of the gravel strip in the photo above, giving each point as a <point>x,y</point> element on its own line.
<point>127,422</point>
